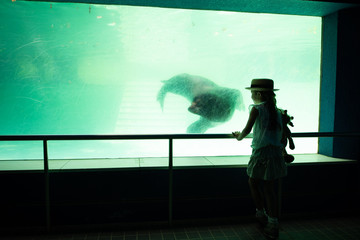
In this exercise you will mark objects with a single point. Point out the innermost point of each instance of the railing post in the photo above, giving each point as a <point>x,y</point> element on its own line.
<point>170,180</point>
<point>47,185</point>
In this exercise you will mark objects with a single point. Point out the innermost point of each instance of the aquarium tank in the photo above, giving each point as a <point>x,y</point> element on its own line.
<point>82,69</point>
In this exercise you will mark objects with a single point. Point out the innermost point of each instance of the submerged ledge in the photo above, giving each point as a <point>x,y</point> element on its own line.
<point>153,162</point>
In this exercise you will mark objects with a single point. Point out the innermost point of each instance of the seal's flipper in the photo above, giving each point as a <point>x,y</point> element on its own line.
<point>200,126</point>
<point>162,94</point>
<point>160,98</point>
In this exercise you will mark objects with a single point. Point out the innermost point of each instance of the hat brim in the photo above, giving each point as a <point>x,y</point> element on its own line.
<point>261,89</point>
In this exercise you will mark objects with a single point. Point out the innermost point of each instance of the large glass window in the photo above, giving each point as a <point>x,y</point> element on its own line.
<point>100,69</point>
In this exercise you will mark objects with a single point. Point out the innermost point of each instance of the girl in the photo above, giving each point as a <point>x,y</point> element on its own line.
<point>266,162</point>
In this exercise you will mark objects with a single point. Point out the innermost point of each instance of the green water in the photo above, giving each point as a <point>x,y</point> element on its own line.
<point>94,69</point>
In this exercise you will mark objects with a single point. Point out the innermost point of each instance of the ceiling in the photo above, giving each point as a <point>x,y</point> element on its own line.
<point>294,7</point>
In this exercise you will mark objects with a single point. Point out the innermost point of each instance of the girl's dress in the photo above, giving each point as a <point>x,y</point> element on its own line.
<point>266,161</point>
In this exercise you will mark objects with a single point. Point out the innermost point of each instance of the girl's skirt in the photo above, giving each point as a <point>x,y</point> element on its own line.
<point>267,163</point>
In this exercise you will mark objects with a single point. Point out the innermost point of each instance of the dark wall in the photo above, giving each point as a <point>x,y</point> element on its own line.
<point>125,196</point>
<point>347,109</point>
<point>340,83</point>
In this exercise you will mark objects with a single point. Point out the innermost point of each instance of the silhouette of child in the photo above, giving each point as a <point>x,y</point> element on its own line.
<point>266,162</point>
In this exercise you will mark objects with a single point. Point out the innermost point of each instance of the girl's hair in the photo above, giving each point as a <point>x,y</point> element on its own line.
<point>270,98</point>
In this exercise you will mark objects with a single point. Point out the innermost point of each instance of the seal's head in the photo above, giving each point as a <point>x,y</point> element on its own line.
<point>212,107</point>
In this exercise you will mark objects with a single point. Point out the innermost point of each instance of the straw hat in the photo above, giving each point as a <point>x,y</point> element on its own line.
<point>262,84</point>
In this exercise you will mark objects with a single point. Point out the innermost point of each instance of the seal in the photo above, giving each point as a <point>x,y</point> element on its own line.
<point>214,104</point>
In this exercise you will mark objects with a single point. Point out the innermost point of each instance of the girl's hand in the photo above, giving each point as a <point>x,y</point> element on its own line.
<point>236,134</point>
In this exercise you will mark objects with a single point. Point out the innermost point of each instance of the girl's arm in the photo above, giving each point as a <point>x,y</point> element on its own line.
<point>250,123</point>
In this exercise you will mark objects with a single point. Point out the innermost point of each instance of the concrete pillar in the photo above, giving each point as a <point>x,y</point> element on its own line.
<point>340,83</point>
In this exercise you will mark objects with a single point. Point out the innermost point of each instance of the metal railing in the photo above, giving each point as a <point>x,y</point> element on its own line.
<point>170,137</point>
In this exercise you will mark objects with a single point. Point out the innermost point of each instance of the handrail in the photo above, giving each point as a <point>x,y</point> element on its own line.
<point>158,136</point>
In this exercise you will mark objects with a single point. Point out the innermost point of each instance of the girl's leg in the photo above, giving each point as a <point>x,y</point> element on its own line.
<point>256,193</point>
<point>271,199</point>
<point>272,228</point>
